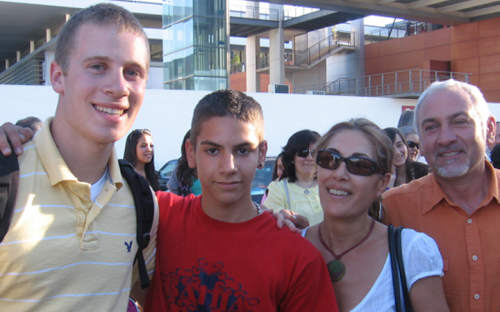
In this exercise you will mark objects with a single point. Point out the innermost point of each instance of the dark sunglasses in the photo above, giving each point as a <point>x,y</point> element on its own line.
<point>355,164</point>
<point>413,144</point>
<point>305,153</point>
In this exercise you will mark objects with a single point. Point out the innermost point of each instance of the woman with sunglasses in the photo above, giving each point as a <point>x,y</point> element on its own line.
<point>297,189</point>
<point>404,168</point>
<point>411,136</point>
<point>354,163</point>
<point>139,151</point>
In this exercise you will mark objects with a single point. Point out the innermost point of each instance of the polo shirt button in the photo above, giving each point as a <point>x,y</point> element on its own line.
<point>469,220</point>
<point>474,258</point>
<point>476,296</point>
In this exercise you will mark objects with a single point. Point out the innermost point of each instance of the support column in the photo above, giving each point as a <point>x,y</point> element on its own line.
<point>7,63</point>
<point>48,35</point>
<point>252,54</point>
<point>358,27</point>
<point>277,51</point>
<point>18,56</point>
<point>32,46</point>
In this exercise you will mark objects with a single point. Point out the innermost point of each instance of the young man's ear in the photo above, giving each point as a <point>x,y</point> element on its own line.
<point>262,153</point>
<point>56,77</point>
<point>190,154</point>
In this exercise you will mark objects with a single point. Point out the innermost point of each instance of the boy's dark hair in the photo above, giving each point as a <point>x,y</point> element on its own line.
<point>102,14</point>
<point>224,103</point>
<point>31,122</point>
<point>299,141</point>
<point>130,155</point>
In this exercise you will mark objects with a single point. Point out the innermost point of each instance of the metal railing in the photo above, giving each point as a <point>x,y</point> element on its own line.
<point>296,11</point>
<point>29,72</point>
<point>399,31</point>
<point>410,82</point>
<point>314,53</point>
<point>251,12</point>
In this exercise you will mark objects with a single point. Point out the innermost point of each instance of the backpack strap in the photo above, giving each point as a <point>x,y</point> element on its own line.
<point>9,184</point>
<point>144,211</point>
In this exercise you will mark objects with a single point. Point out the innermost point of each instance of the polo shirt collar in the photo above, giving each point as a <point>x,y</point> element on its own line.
<point>434,194</point>
<point>56,167</point>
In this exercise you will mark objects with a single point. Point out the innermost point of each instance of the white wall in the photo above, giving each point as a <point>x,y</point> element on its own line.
<point>167,113</point>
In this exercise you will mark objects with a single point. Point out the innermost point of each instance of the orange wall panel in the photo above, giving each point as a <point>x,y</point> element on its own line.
<point>465,32</point>
<point>442,53</point>
<point>474,80</point>
<point>492,96</point>
<point>412,59</point>
<point>470,66</point>
<point>238,81</point>
<point>465,49</point>
<point>437,37</point>
<point>489,28</point>
<point>489,82</point>
<point>389,47</point>
<point>372,50</point>
<point>412,43</point>
<point>490,45</point>
<point>489,64</point>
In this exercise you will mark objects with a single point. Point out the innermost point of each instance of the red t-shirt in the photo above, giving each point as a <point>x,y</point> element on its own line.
<point>207,265</point>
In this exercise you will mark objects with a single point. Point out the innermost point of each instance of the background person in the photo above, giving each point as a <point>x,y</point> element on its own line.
<point>184,180</point>
<point>277,173</point>
<point>297,189</point>
<point>139,151</point>
<point>404,169</point>
<point>413,142</point>
<point>354,163</point>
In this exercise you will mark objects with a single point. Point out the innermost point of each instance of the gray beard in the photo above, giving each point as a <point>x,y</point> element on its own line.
<point>454,171</point>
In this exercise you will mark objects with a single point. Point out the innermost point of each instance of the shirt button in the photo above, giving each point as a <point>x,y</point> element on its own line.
<point>476,296</point>
<point>469,220</point>
<point>474,258</point>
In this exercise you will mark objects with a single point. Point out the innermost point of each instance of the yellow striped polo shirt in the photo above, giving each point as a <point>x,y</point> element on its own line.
<point>62,251</point>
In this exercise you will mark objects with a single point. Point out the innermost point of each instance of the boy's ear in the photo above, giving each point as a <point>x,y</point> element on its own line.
<point>262,152</point>
<point>57,77</point>
<point>190,154</point>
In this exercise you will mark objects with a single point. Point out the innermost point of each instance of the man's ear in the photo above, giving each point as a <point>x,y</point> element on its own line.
<point>190,154</point>
<point>262,152</point>
<point>491,130</point>
<point>57,77</point>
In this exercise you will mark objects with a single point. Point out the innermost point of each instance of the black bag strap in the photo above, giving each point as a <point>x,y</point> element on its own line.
<point>394,267</point>
<point>144,210</point>
<point>9,184</point>
<point>402,272</point>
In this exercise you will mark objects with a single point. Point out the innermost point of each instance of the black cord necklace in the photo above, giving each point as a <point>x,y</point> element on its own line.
<point>335,267</point>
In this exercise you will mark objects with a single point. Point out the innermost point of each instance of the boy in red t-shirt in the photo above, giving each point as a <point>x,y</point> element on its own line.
<point>218,251</point>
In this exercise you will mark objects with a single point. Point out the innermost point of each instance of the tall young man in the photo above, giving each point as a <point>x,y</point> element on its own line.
<point>71,243</point>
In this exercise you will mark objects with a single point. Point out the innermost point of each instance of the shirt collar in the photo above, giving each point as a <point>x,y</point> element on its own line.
<point>435,194</point>
<point>55,166</point>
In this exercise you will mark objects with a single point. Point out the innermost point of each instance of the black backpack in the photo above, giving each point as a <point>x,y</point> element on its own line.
<point>143,199</point>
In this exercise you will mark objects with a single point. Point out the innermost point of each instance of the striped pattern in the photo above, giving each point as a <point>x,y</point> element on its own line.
<point>62,252</point>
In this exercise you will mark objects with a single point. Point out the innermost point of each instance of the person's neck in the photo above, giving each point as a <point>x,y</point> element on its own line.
<point>345,233</point>
<point>87,160</point>
<point>400,175</point>
<point>469,190</point>
<point>140,167</point>
<point>305,181</point>
<point>240,211</point>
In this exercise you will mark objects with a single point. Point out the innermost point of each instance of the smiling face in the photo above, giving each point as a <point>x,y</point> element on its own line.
<point>400,152</point>
<point>451,133</point>
<point>343,194</point>
<point>412,137</point>
<point>145,149</point>
<point>103,89</point>
<point>226,155</point>
<point>305,167</point>
<point>279,167</point>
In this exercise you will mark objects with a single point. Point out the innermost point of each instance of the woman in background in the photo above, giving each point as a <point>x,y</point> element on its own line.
<point>297,189</point>
<point>139,151</point>
<point>184,180</point>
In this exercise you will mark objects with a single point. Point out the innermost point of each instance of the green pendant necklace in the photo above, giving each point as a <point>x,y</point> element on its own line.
<point>335,267</point>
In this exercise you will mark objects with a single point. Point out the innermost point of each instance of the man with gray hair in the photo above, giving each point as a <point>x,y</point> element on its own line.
<point>459,204</point>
